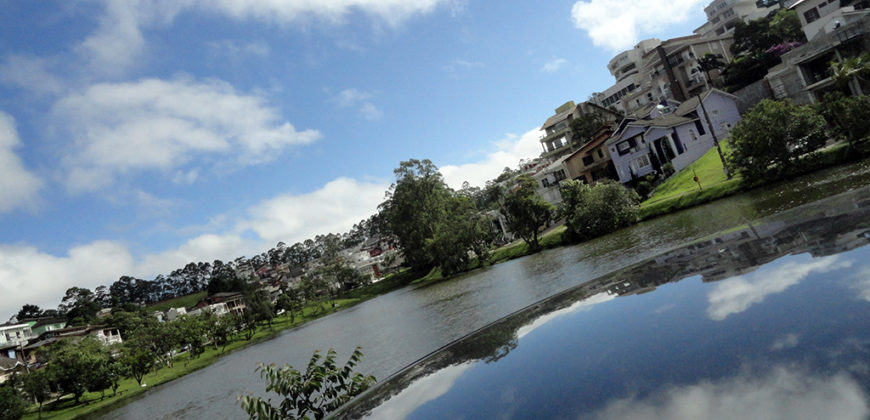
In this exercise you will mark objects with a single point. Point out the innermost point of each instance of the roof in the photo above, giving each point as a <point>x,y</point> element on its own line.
<point>558,117</point>
<point>668,121</point>
<point>692,103</point>
<point>9,364</point>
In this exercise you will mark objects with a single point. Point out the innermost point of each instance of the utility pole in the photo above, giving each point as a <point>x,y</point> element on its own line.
<point>715,140</point>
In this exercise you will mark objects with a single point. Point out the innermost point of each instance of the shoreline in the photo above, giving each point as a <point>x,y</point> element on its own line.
<point>183,365</point>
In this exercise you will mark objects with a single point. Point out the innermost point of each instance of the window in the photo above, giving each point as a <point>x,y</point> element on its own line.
<point>700,127</point>
<point>545,182</point>
<point>600,153</point>
<point>588,160</point>
<point>623,147</point>
<point>640,163</point>
<point>559,175</point>
<point>811,15</point>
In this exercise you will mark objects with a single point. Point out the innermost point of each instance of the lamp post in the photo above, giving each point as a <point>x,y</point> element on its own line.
<point>715,140</point>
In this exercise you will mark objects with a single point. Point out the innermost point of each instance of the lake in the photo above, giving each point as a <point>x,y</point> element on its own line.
<point>623,340</point>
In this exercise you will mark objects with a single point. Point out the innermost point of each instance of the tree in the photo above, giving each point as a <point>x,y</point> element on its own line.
<point>598,210</point>
<point>466,230</point>
<point>785,26</point>
<point>291,302</point>
<point>585,126</point>
<point>857,67</point>
<point>37,386</point>
<point>772,137</point>
<point>321,389</point>
<point>527,212</point>
<point>709,62</point>
<point>77,366</point>
<point>848,117</point>
<point>415,206</point>
<point>29,311</point>
<point>12,406</point>
<point>137,359</point>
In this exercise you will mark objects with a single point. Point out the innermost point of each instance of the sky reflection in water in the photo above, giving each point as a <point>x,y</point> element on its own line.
<point>767,321</point>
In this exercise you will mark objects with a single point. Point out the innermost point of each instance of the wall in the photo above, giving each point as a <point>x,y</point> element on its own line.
<point>752,94</point>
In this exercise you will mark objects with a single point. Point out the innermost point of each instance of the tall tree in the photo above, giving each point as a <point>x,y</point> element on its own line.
<point>415,206</point>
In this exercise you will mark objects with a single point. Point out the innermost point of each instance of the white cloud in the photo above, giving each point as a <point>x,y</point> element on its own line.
<point>787,341</point>
<point>166,125</point>
<point>420,392</point>
<point>361,100</point>
<point>238,50</point>
<point>331,209</point>
<point>781,394</point>
<point>619,24</point>
<point>18,187</point>
<point>29,73</point>
<point>118,41</point>
<point>30,276</point>
<point>861,283</point>
<point>736,295</point>
<point>508,153</point>
<point>457,63</point>
<point>554,65</point>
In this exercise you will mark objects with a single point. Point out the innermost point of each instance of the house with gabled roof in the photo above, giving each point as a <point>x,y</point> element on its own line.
<point>671,132</point>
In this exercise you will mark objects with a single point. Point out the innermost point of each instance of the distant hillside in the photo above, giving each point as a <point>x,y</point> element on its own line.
<point>184,301</point>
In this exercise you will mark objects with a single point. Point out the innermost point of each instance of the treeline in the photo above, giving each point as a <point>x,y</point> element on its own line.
<point>80,305</point>
<point>72,367</point>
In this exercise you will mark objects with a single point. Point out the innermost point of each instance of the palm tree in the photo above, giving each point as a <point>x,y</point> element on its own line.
<point>857,67</point>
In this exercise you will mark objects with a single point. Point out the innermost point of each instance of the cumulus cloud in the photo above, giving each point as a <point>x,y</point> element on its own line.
<point>619,24</point>
<point>28,275</point>
<point>736,295</point>
<point>507,153</point>
<point>18,187</point>
<point>166,125</point>
<point>333,208</point>
<point>554,65</point>
<point>780,394</point>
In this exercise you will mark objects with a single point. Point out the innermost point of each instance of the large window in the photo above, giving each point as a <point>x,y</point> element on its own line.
<point>811,15</point>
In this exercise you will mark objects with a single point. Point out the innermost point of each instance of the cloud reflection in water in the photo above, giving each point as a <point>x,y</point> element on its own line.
<point>780,394</point>
<point>736,295</point>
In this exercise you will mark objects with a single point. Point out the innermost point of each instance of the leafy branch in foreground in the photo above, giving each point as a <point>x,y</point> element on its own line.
<point>321,389</point>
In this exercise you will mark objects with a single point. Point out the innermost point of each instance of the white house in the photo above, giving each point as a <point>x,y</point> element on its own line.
<point>679,134</point>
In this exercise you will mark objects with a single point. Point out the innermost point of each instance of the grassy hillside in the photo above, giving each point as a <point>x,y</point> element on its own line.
<point>184,301</point>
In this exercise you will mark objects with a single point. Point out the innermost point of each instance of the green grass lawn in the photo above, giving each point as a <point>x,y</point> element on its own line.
<point>180,302</point>
<point>91,403</point>
<point>681,191</point>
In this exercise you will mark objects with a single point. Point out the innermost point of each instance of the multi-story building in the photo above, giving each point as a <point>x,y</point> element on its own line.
<point>557,136</point>
<point>723,15</point>
<point>655,70</point>
<point>834,33</point>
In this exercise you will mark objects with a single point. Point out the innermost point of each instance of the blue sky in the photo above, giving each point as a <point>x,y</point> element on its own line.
<point>136,136</point>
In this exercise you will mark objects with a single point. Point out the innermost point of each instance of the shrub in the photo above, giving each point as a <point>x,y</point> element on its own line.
<point>320,389</point>
<point>594,211</point>
<point>848,117</point>
<point>773,137</point>
<point>643,188</point>
<point>668,169</point>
